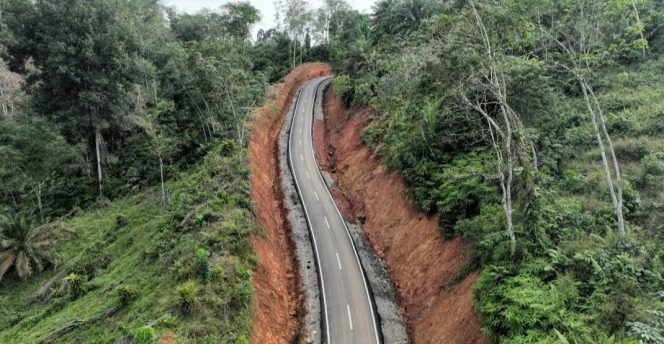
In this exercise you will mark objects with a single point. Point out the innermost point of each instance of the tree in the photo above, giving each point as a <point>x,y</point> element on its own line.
<point>238,18</point>
<point>88,62</point>
<point>161,143</point>
<point>578,34</point>
<point>24,246</point>
<point>296,17</point>
<point>9,86</point>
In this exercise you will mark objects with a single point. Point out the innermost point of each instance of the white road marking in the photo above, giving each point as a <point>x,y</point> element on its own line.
<point>316,194</point>
<point>300,142</point>
<point>300,129</point>
<point>350,318</point>
<point>308,176</point>
<point>339,261</point>
<point>327,223</point>
<point>302,157</point>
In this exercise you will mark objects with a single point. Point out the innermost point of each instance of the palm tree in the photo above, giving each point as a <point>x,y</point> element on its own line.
<point>24,246</point>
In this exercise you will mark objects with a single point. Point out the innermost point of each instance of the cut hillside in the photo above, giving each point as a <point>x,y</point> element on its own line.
<point>277,305</point>
<point>139,269</point>
<point>422,264</point>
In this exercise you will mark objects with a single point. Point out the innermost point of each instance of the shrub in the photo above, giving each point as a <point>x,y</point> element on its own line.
<point>343,89</point>
<point>652,164</point>
<point>76,285</point>
<point>572,181</point>
<point>120,221</point>
<point>127,294</point>
<point>145,335</point>
<point>186,296</point>
<point>202,261</point>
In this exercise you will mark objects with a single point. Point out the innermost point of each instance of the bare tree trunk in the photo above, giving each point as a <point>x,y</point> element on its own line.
<point>39,201</point>
<point>161,172</point>
<point>534,153</point>
<point>508,184</point>
<point>506,188</point>
<point>616,167</point>
<point>13,199</point>
<point>617,204</point>
<point>497,88</point>
<point>99,175</point>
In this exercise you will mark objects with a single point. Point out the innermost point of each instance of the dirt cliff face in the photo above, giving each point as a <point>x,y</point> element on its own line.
<point>276,308</point>
<point>419,261</point>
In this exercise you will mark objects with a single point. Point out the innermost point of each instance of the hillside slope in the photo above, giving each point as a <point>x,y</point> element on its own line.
<point>139,269</point>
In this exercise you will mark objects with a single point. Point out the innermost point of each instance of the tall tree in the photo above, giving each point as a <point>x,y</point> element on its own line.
<point>578,34</point>
<point>296,17</point>
<point>238,19</point>
<point>88,62</point>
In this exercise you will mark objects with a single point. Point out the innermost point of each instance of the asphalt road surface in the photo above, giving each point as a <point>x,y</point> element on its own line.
<point>348,315</point>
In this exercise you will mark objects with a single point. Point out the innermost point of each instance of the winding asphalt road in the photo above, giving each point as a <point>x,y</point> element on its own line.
<point>348,314</point>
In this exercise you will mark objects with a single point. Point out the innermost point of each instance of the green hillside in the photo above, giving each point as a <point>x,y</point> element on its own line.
<point>181,269</point>
<point>486,109</point>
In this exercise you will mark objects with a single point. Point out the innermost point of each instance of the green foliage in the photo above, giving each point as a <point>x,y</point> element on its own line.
<point>127,294</point>
<point>25,246</point>
<point>120,221</point>
<point>145,335</point>
<point>343,89</point>
<point>202,264</point>
<point>187,298</point>
<point>76,285</point>
<point>570,280</point>
<point>653,164</point>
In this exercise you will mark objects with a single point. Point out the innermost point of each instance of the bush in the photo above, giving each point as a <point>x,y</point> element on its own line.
<point>120,221</point>
<point>186,296</point>
<point>127,294</point>
<point>343,89</point>
<point>145,335</point>
<point>202,261</point>
<point>572,181</point>
<point>652,164</point>
<point>76,285</point>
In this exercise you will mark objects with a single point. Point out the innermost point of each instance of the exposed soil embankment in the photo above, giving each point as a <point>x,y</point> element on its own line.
<point>419,261</point>
<point>277,304</point>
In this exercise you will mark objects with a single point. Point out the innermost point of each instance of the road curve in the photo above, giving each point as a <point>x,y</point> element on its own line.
<point>348,314</point>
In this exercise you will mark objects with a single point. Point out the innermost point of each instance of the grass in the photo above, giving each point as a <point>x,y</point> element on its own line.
<point>152,254</point>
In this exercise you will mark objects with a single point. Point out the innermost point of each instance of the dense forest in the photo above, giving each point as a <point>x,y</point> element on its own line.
<point>533,129</point>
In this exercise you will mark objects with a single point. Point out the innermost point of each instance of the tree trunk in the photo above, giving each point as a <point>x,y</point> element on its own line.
<point>617,205</point>
<point>39,201</point>
<point>161,172</point>
<point>97,151</point>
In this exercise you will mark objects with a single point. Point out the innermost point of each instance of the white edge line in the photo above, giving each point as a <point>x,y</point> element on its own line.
<point>313,236</point>
<point>339,261</point>
<point>350,318</point>
<point>357,258</point>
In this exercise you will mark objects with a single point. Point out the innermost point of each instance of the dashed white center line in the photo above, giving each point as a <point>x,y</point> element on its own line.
<point>327,223</point>
<point>300,141</point>
<point>308,177</point>
<point>339,261</point>
<point>350,318</point>
<point>316,194</point>
<point>300,129</point>
<point>302,157</point>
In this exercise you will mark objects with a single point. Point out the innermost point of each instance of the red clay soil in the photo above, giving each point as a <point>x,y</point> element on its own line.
<point>418,259</point>
<point>276,308</point>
